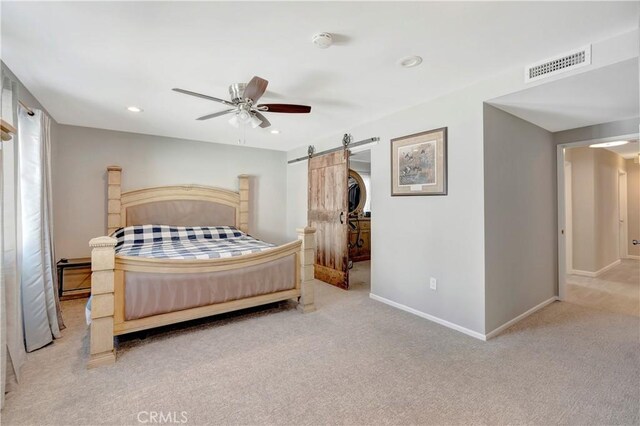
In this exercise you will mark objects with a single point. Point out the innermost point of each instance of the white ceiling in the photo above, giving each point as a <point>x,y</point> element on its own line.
<point>86,62</point>
<point>599,96</point>
<point>630,150</point>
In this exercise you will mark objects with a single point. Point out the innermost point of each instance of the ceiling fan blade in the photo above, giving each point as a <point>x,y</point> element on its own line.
<point>265,123</point>
<point>200,95</point>
<point>216,114</point>
<point>286,108</point>
<point>256,88</point>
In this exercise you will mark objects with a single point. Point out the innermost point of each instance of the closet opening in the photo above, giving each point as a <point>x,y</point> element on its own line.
<point>340,211</point>
<point>360,220</point>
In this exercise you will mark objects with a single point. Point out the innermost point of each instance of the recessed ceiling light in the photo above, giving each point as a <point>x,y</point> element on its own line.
<point>275,131</point>
<point>410,61</point>
<point>134,109</point>
<point>608,144</point>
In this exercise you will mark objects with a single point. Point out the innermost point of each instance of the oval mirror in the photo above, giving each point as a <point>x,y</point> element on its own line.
<point>357,193</point>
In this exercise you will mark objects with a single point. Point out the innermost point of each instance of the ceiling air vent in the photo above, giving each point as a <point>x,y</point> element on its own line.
<point>556,65</point>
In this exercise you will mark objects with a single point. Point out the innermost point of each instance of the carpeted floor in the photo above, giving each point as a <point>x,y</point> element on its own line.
<point>353,361</point>
<point>617,290</point>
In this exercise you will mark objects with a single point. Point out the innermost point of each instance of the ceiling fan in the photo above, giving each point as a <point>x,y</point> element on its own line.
<point>243,104</point>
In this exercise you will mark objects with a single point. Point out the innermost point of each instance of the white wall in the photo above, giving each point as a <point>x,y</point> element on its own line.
<point>595,226</point>
<point>608,165</point>
<point>633,206</point>
<point>583,220</point>
<point>414,238</point>
<point>520,216</point>
<point>81,155</point>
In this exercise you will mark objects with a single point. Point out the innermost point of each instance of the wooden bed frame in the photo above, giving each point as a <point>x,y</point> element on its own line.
<point>108,270</point>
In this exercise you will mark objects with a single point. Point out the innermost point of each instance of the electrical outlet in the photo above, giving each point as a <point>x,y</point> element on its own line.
<point>433,284</point>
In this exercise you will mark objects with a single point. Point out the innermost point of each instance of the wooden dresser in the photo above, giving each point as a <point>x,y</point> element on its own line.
<point>360,239</point>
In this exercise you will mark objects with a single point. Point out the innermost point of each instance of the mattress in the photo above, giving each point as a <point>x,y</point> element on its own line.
<point>185,242</point>
<point>148,294</point>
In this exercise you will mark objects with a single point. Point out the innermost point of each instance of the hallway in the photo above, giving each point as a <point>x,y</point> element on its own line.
<point>617,290</point>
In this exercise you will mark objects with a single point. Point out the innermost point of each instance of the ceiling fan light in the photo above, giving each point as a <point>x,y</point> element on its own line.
<point>254,121</point>
<point>234,121</point>
<point>243,116</point>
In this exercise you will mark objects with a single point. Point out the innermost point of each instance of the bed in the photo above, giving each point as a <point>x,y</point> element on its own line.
<point>182,252</point>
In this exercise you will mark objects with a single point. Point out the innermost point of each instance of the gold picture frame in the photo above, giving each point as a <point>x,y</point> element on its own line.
<point>419,164</point>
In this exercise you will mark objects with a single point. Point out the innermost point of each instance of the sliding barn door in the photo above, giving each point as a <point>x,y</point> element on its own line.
<point>328,213</point>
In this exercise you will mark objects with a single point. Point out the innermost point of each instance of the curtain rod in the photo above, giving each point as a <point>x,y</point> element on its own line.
<point>29,110</point>
<point>327,151</point>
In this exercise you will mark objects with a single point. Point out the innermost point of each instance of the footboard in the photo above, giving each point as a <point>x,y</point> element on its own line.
<point>109,292</point>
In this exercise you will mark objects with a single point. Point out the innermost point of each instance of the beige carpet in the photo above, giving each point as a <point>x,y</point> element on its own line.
<point>617,290</point>
<point>354,361</point>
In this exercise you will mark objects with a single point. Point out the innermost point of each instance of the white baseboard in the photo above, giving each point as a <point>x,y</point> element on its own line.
<point>598,272</point>
<point>633,257</point>
<point>437,320</point>
<point>520,317</point>
<point>583,273</point>
<point>468,332</point>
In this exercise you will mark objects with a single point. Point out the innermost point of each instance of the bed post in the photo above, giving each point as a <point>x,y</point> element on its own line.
<point>102,301</point>
<point>114,179</point>
<point>243,219</point>
<point>307,259</point>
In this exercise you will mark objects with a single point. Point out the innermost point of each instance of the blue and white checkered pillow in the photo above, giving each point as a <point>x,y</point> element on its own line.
<point>145,234</point>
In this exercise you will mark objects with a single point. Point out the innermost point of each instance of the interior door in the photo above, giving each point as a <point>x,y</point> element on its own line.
<point>328,213</point>
<point>622,214</point>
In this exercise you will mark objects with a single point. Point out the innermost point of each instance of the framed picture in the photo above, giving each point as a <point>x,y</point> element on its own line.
<point>419,164</point>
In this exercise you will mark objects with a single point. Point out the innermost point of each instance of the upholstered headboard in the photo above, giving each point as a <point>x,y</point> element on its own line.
<point>178,205</point>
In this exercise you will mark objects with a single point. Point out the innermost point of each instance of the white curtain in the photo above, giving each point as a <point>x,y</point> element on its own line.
<point>12,354</point>
<point>40,305</point>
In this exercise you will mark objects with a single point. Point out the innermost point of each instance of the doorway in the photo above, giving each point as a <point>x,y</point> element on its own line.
<point>360,220</point>
<point>598,198</point>
<point>340,210</point>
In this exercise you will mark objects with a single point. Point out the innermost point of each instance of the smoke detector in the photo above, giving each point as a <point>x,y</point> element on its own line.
<point>322,40</point>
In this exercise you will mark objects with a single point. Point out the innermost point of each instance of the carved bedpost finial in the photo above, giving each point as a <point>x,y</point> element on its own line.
<point>307,261</point>
<point>114,192</point>
<point>243,214</point>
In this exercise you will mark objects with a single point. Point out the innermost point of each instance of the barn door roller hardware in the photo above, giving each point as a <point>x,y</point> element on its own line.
<point>346,144</point>
<point>346,140</point>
